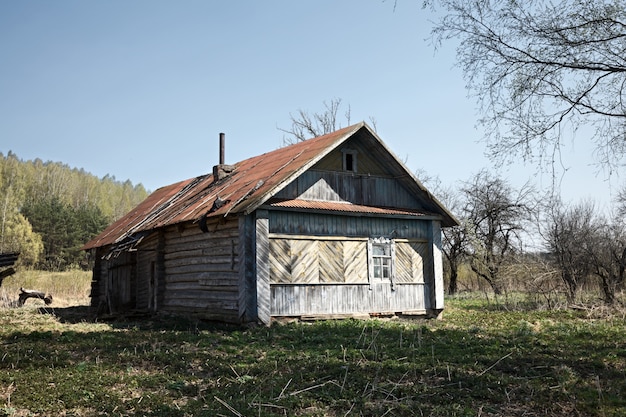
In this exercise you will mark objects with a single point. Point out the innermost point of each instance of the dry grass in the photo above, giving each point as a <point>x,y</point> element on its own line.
<point>69,288</point>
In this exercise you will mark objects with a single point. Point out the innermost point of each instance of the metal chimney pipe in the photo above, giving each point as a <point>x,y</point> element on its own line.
<point>222,146</point>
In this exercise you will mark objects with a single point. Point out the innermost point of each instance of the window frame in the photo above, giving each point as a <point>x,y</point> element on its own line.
<point>352,153</point>
<point>376,262</point>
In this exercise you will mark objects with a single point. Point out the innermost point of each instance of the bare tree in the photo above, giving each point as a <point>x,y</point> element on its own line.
<point>495,216</point>
<point>539,68</point>
<point>455,239</point>
<point>621,202</point>
<point>569,238</point>
<point>305,125</point>
<point>608,256</point>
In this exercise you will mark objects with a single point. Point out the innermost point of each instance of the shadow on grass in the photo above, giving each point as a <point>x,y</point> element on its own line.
<point>72,315</point>
<point>136,320</point>
<point>170,366</point>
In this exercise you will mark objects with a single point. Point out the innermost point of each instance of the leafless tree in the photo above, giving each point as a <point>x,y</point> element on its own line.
<point>454,239</point>
<point>621,202</point>
<point>305,125</point>
<point>569,238</point>
<point>539,68</point>
<point>608,256</point>
<point>495,216</point>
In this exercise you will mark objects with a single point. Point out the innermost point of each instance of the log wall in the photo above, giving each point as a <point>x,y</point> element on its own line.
<point>202,271</point>
<point>114,283</point>
<point>146,274</point>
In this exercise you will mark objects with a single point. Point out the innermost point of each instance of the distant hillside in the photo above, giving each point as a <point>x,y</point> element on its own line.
<point>48,209</point>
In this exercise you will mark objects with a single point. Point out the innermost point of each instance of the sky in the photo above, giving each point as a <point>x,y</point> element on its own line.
<point>141,89</point>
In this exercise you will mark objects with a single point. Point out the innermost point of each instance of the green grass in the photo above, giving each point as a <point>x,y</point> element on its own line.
<point>477,361</point>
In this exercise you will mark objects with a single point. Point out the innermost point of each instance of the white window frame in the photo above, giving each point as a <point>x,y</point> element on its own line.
<point>376,261</point>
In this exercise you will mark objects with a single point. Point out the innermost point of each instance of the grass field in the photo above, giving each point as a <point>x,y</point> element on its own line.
<point>480,360</point>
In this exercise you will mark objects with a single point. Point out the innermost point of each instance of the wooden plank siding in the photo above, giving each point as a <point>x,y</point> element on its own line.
<point>316,260</point>
<point>437,267</point>
<point>246,271</point>
<point>303,300</point>
<point>97,280</point>
<point>118,282</point>
<point>318,264</point>
<point>320,224</point>
<point>410,257</point>
<point>366,190</point>
<point>367,159</point>
<point>263,294</point>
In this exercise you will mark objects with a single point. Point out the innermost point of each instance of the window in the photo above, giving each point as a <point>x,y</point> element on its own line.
<point>381,260</point>
<point>349,160</point>
<point>381,254</point>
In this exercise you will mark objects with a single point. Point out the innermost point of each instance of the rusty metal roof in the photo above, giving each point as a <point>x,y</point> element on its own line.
<point>252,182</point>
<point>248,186</point>
<point>343,207</point>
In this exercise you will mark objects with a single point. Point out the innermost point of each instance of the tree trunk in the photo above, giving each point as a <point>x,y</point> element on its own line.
<point>453,284</point>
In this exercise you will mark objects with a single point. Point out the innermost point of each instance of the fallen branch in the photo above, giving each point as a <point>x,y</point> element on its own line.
<point>313,387</point>
<point>497,362</point>
<point>26,294</point>
<point>230,408</point>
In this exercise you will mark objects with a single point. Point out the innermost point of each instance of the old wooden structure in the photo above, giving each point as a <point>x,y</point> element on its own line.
<point>332,226</point>
<point>7,260</point>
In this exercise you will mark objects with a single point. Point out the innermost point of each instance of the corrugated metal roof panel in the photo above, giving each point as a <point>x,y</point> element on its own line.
<point>345,207</point>
<point>252,182</point>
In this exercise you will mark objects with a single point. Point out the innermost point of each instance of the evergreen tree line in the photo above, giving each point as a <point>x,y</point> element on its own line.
<point>48,210</point>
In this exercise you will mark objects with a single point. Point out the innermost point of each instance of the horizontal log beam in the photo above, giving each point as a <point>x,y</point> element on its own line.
<point>6,273</point>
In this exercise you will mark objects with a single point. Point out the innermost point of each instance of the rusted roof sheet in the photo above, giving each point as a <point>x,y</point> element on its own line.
<point>251,183</point>
<point>342,207</point>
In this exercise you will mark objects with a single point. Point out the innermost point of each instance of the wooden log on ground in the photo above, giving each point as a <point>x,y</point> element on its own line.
<point>26,294</point>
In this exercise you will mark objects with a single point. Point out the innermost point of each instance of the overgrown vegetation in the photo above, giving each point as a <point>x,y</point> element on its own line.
<point>485,358</point>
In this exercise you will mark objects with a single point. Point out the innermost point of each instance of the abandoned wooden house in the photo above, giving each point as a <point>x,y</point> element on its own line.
<point>333,226</point>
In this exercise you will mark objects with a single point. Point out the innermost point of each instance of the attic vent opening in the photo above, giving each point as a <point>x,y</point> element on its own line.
<point>349,160</point>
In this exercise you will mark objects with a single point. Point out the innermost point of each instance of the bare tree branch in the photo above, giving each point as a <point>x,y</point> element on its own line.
<point>536,67</point>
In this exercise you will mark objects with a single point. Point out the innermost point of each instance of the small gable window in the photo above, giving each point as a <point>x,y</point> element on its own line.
<point>349,160</point>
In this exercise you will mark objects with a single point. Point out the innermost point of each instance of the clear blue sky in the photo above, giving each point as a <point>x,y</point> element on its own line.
<point>141,89</point>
